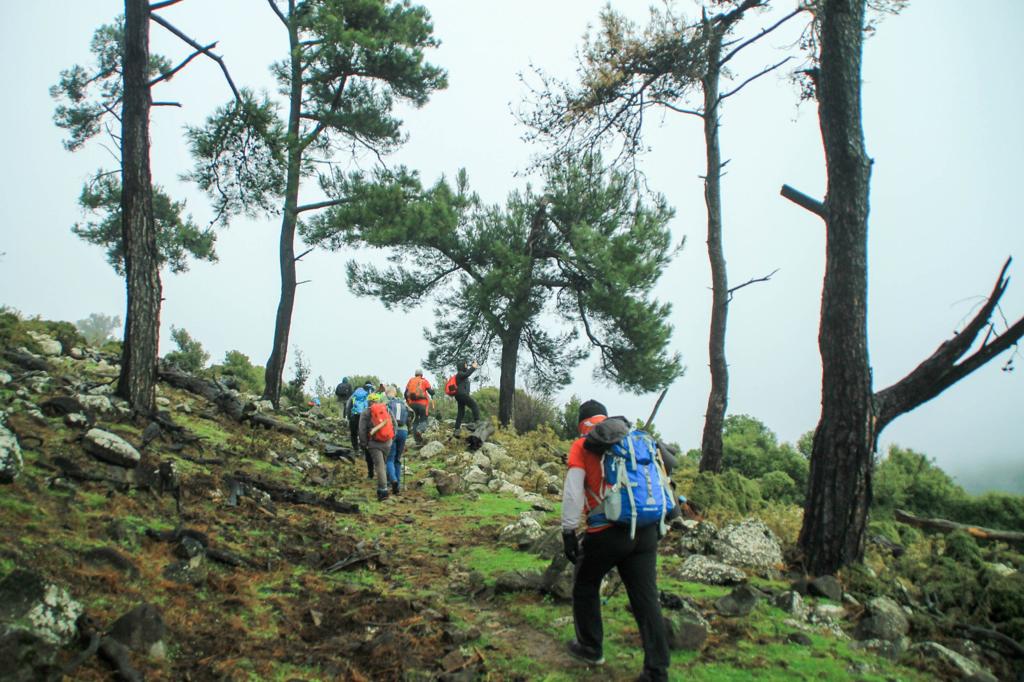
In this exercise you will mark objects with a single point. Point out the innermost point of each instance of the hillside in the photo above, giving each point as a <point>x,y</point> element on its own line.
<point>255,549</point>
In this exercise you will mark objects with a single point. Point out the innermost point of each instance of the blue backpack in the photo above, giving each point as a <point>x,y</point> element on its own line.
<point>637,491</point>
<point>399,412</point>
<point>359,400</point>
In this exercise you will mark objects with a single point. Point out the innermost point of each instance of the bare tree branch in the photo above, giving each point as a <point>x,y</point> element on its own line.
<point>802,200</point>
<point>752,79</point>
<point>189,41</point>
<point>165,104</point>
<point>304,253</point>
<point>167,76</point>
<point>753,280</point>
<point>320,204</point>
<point>160,5</point>
<point>762,34</point>
<point>277,11</point>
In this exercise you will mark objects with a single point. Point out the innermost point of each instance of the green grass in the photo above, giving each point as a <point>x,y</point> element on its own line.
<point>209,431</point>
<point>491,560</point>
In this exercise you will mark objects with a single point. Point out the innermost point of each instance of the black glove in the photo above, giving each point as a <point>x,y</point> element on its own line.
<point>571,545</point>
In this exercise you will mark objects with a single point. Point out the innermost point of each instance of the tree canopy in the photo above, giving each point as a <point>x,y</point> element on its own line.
<point>587,251</point>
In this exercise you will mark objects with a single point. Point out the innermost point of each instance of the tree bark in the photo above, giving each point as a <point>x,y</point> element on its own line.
<point>835,516</point>
<point>714,416</point>
<point>507,383</point>
<point>137,381</point>
<point>282,325</point>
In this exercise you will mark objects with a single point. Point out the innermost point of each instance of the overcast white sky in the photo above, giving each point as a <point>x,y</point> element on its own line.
<point>942,101</point>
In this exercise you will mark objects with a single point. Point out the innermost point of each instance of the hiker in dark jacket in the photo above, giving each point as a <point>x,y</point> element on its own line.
<point>354,407</point>
<point>462,393</point>
<point>400,417</point>
<point>606,546</point>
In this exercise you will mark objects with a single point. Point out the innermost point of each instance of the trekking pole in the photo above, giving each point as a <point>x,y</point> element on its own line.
<point>650,420</point>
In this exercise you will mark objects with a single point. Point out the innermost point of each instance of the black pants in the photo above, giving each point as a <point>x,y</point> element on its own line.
<point>637,563</point>
<point>420,424</point>
<point>464,401</point>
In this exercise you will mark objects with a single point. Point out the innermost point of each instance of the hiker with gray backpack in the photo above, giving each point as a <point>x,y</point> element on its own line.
<point>617,481</point>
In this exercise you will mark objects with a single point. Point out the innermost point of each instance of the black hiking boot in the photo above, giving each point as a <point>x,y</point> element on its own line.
<point>382,494</point>
<point>395,488</point>
<point>584,653</point>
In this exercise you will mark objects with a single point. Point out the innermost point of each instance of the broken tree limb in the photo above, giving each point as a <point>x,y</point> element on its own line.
<point>946,526</point>
<point>260,419</point>
<point>281,493</point>
<point>650,420</point>
<point>215,392</point>
<point>985,635</point>
<point>480,436</point>
<point>803,201</point>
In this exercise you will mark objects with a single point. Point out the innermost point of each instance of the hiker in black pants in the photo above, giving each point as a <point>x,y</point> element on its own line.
<point>606,546</point>
<point>462,396</point>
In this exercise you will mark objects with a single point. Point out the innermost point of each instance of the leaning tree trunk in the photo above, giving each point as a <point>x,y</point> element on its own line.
<point>274,375</point>
<point>137,380</point>
<point>714,416</point>
<point>835,516</point>
<point>507,384</point>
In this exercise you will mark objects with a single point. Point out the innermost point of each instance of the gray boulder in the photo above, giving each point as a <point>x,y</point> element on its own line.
<point>963,665</point>
<point>447,484</point>
<point>749,543</point>
<point>476,475</point>
<point>111,448</point>
<point>30,603</point>
<point>518,581</point>
<point>11,461</point>
<point>884,619</point>
<point>739,602</point>
<point>558,578</point>
<point>99,404</point>
<point>523,532</point>
<point>826,586</point>
<point>48,345</point>
<point>700,569</point>
<point>698,540</point>
<point>142,630</point>
<point>5,378</point>
<point>792,603</point>
<point>431,450</point>
<point>686,631</point>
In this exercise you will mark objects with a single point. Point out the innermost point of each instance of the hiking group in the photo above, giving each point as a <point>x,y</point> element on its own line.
<point>617,486</point>
<point>380,421</point>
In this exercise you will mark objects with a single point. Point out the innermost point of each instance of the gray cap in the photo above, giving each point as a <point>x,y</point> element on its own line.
<point>419,372</point>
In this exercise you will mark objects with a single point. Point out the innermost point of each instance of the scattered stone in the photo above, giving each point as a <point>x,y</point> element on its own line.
<point>963,665</point>
<point>799,638</point>
<point>189,548</point>
<point>48,345</point>
<point>739,602</point>
<point>892,650</point>
<point>558,578</point>
<point>447,484</point>
<point>431,450</point>
<point>142,630</point>
<point>5,378</point>
<point>99,404</point>
<point>518,581</point>
<point>698,540</point>
<point>826,586</point>
<point>792,603</point>
<point>701,569</point>
<point>186,572</point>
<point>828,613</point>
<point>684,631</point>
<point>749,543</point>
<point>76,353</point>
<point>884,620</point>
<point>523,532</point>
<point>38,384</point>
<point>30,603</point>
<point>111,448</point>
<point>111,557</point>
<point>537,502</point>
<point>475,475</point>
<point>11,461</point>
<point>163,402</point>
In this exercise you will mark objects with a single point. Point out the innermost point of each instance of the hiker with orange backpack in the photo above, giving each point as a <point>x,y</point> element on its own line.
<point>462,393</point>
<point>614,539</point>
<point>418,393</point>
<point>376,431</point>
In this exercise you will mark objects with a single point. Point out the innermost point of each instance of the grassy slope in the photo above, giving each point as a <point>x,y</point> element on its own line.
<point>289,619</point>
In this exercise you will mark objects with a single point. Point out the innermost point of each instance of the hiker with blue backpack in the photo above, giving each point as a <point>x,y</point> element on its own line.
<point>617,481</point>
<point>354,408</point>
<point>400,415</point>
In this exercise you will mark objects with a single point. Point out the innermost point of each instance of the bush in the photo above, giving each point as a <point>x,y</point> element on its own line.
<point>910,480</point>
<point>727,496</point>
<point>777,486</point>
<point>294,389</point>
<point>569,426</point>
<point>752,449</point>
<point>14,331</point>
<point>190,356</point>
<point>1001,511</point>
<point>237,364</point>
<point>530,412</point>
<point>98,328</point>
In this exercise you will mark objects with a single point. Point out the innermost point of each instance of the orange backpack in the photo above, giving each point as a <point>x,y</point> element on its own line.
<point>451,388</point>
<point>381,427</point>
<point>416,388</point>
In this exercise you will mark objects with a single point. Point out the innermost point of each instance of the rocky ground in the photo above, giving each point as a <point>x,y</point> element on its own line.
<point>224,540</point>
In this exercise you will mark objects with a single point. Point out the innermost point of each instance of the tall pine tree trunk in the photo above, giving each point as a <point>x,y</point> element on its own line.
<point>137,380</point>
<point>274,375</point>
<point>835,516</point>
<point>714,417</point>
<point>507,384</point>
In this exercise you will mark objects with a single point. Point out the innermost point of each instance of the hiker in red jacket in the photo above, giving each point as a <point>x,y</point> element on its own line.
<point>418,393</point>
<point>606,546</point>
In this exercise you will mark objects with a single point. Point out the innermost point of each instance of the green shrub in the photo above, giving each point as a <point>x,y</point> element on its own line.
<point>1001,511</point>
<point>530,412</point>
<point>569,425</point>
<point>963,549</point>
<point>236,364</point>
<point>909,480</point>
<point>727,495</point>
<point>777,486</point>
<point>295,387</point>
<point>190,356</point>
<point>752,449</point>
